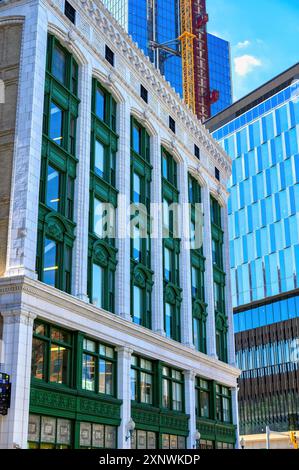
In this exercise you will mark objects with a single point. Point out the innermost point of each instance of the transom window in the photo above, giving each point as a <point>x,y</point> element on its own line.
<point>51,354</point>
<point>142,380</point>
<point>98,368</point>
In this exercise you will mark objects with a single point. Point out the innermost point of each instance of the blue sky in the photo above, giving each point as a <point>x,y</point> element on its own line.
<point>264,37</point>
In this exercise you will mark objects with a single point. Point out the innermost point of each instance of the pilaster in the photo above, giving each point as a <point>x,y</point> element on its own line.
<point>190,406</point>
<point>157,240</point>
<point>185,262</point>
<point>23,217</point>
<point>124,354</point>
<point>209,278</point>
<point>123,278</point>
<point>17,338</point>
<point>81,208</point>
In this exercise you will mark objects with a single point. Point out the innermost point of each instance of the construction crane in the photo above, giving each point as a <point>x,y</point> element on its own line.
<point>187,37</point>
<point>194,52</point>
<point>293,439</point>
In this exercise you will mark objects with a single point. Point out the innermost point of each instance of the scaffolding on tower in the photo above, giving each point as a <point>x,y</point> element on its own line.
<point>205,97</point>
<point>187,37</point>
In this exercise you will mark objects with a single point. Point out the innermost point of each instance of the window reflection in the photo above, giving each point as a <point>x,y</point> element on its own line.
<point>53,188</point>
<point>50,263</point>
<point>56,124</point>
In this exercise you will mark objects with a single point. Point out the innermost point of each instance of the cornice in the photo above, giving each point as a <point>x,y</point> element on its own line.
<point>27,287</point>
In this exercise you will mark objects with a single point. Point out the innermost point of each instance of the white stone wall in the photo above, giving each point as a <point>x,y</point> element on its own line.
<point>24,295</point>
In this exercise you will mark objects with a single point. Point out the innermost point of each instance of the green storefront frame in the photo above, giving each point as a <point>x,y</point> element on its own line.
<point>148,418</point>
<point>74,405</point>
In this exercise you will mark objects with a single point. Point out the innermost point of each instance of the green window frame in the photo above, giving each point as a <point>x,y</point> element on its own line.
<point>141,272</point>
<point>199,306</point>
<point>172,385</point>
<point>102,254</point>
<point>171,249</point>
<point>203,398</point>
<point>223,404</point>
<point>143,381</point>
<point>99,368</point>
<point>58,165</point>
<point>52,354</point>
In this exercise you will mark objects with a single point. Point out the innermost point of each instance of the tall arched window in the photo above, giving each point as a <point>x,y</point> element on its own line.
<point>219,280</point>
<point>197,269</point>
<point>141,273</point>
<point>103,199</point>
<point>58,168</point>
<point>171,248</point>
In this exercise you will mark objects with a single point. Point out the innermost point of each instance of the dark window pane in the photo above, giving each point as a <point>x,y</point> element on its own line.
<point>59,64</point>
<point>59,359</point>
<point>38,359</point>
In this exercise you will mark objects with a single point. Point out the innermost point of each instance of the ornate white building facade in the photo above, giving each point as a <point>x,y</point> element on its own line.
<point>78,96</point>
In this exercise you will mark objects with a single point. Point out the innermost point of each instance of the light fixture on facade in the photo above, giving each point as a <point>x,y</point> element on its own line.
<point>130,429</point>
<point>197,437</point>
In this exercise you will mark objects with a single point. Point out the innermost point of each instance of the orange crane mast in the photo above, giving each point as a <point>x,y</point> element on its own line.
<point>187,37</point>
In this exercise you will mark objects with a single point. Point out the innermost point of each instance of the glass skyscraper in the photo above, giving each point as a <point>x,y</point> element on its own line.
<point>261,134</point>
<point>220,72</point>
<point>159,21</point>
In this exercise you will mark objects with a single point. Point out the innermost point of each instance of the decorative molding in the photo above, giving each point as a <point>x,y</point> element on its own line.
<point>68,402</point>
<point>44,293</point>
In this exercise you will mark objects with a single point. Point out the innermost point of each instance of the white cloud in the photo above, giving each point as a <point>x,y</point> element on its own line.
<point>246,64</point>
<point>244,44</point>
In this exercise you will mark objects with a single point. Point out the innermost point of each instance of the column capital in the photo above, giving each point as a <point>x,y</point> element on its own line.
<point>18,316</point>
<point>189,374</point>
<point>126,351</point>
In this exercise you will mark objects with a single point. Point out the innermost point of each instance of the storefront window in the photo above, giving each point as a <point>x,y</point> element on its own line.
<point>98,368</point>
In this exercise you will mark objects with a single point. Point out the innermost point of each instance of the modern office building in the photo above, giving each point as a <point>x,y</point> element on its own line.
<point>220,72</point>
<point>158,21</point>
<point>261,134</point>
<point>108,340</point>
